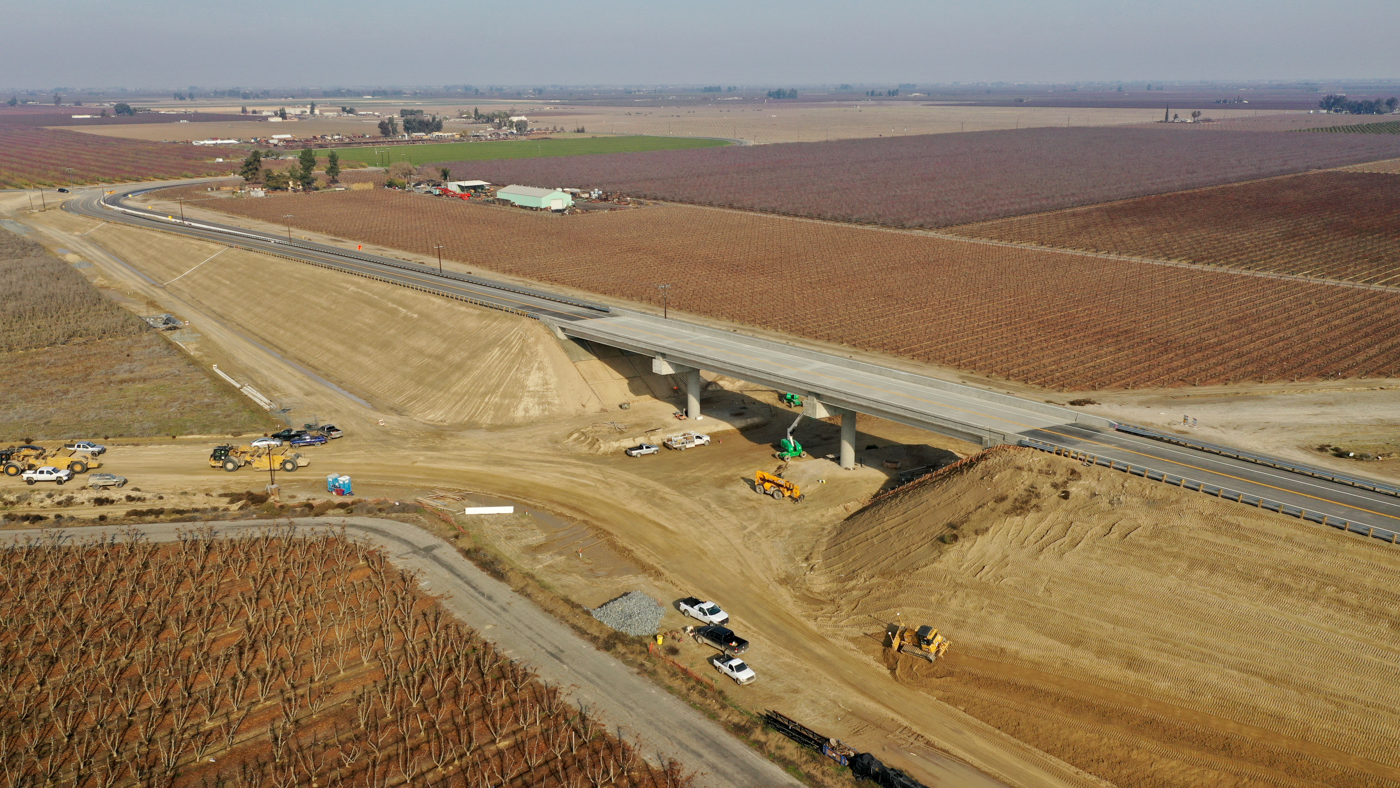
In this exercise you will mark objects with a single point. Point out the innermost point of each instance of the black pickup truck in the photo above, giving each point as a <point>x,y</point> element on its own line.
<point>722,638</point>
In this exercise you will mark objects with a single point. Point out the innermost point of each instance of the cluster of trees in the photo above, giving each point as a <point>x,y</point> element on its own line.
<point>123,108</point>
<point>303,175</point>
<point>718,89</point>
<point>389,127</point>
<point>791,93</point>
<point>890,92</point>
<point>1339,103</point>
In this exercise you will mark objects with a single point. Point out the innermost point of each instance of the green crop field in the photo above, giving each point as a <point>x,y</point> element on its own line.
<point>429,153</point>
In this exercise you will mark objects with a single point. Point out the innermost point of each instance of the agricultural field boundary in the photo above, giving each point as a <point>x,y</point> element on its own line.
<point>1383,534</point>
<point>1260,459</point>
<point>527,634</point>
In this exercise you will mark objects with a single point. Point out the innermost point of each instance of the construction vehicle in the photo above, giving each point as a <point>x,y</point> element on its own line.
<point>28,458</point>
<point>791,400</point>
<point>765,483</point>
<point>788,447</point>
<point>261,458</point>
<point>925,642</point>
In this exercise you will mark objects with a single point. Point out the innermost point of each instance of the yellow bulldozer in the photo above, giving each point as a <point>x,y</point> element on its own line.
<point>231,458</point>
<point>765,483</point>
<point>924,642</point>
<point>27,458</point>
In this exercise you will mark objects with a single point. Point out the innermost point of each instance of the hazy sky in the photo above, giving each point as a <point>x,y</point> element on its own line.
<point>176,43</point>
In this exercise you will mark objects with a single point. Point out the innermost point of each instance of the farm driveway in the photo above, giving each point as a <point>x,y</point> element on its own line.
<point>634,707</point>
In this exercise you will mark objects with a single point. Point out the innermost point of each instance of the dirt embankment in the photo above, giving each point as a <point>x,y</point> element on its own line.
<point>1148,635</point>
<point>430,358</point>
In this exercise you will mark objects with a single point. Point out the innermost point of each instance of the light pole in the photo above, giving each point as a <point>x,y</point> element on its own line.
<point>665,301</point>
<point>439,251</point>
<point>289,226</point>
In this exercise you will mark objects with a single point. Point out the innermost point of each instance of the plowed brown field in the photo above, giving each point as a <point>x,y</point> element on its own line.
<point>1064,321</point>
<point>1328,225</point>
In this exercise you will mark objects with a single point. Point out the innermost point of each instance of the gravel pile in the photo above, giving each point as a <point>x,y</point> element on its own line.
<point>633,613</point>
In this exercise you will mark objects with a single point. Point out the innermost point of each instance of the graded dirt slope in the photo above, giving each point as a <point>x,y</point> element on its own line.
<point>1149,635</point>
<point>437,360</point>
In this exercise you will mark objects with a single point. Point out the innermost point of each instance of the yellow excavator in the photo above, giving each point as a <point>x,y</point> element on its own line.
<point>925,642</point>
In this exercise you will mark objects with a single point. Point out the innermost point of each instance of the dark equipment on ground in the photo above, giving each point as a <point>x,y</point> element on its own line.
<point>863,765</point>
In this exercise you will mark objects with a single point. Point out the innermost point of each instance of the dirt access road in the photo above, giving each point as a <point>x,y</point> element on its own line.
<point>634,708</point>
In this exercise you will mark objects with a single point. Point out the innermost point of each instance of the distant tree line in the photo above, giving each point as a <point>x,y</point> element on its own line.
<point>890,92</point>
<point>782,94</point>
<point>1339,103</point>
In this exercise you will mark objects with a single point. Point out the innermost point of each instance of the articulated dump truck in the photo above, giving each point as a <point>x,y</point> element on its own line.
<point>231,458</point>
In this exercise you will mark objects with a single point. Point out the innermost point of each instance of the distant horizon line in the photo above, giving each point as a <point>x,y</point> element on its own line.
<point>1316,83</point>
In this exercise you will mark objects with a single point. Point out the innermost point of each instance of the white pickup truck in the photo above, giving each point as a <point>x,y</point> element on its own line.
<point>47,473</point>
<point>734,668</point>
<point>686,440</point>
<point>705,611</point>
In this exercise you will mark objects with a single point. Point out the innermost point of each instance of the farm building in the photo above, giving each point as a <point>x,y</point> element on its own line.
<point>466,186</point>
<point>531,197</point>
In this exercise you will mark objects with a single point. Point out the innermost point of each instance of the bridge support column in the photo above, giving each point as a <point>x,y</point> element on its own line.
<point>692,393</point>
<point>814,408</point>
<point>848,439</point>
<point>691,375</point>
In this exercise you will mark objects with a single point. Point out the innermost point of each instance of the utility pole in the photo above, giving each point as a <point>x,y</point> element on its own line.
<point>665,301</point>
<point>43,204</point>
<point>289,226</point>
<point>439,251</point>
<point>181,200</point>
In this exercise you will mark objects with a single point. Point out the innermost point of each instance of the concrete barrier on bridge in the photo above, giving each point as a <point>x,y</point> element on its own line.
<point>1070,416</point>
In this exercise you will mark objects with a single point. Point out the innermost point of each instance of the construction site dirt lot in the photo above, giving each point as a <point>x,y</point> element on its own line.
<point>1120,676</point>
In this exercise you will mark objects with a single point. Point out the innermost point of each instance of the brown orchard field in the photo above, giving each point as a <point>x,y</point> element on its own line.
<point>281,658</point>
<point>1054,319</point>
<point>31,157</point>
<point>1326,225</point>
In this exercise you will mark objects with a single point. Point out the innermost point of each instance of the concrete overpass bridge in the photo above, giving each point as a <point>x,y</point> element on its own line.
<point>831,384</point>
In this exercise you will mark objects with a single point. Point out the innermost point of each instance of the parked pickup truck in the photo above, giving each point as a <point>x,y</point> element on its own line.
<point>707,612</point>
<point>687,440</point>
<point>87,447</point>
<point>734,668</point>
<point>721,638</point>
<point>47,474</point>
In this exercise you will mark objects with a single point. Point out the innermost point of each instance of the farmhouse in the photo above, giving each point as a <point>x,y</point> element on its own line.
<point>531,197</point>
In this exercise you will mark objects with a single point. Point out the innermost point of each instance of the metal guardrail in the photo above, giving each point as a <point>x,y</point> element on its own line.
<point>1262,459</point>
<point>1383,534</point>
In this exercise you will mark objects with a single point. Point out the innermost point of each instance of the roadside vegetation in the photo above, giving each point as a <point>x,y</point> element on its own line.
<point>75,365</point>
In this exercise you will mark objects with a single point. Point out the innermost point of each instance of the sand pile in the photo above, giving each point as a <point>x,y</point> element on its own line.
<point>1144,633</point>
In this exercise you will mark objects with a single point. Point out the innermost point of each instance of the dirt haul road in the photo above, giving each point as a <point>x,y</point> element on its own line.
<point>631,705</point>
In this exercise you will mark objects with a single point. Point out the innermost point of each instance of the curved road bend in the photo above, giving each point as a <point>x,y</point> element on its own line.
<point>632,706</point>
